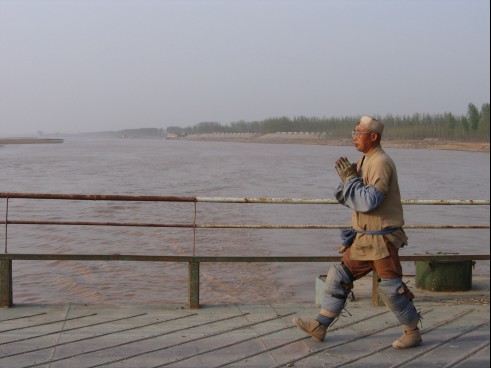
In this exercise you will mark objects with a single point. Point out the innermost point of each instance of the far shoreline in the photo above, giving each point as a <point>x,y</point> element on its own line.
<point>312,138</point>
<point>5,141</point>
<point>306,138</point>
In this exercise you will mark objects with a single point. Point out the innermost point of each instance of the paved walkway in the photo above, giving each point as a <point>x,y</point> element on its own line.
<point>455,330</point>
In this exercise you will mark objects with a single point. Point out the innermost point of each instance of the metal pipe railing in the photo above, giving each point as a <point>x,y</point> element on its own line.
<point>193,260</point>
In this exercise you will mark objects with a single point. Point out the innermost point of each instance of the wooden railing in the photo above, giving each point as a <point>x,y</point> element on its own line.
<point>6,258</point>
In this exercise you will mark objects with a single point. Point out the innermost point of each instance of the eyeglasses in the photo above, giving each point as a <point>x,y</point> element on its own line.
<point>358,133</point>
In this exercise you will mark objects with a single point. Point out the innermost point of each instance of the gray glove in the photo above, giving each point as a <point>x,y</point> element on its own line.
<point>346,170</point>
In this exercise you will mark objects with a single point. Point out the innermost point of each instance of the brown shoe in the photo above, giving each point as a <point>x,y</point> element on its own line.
<point>410,338</point>
<point>313,328</point>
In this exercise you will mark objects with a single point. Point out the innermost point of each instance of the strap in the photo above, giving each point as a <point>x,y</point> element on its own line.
<point>348,235</point>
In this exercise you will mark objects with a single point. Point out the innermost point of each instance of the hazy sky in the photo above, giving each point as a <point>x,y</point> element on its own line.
<point>73,66</point>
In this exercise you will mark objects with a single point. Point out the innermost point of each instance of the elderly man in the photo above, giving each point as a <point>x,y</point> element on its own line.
<point>371,189</point>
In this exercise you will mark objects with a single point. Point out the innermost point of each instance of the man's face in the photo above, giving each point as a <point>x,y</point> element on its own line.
<point>363,140</point>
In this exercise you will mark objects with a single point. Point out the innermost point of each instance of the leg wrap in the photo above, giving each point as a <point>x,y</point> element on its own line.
<point>339,282</point>
<point>398,299</point>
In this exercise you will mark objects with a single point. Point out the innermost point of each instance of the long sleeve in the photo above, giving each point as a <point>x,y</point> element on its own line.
<point>358,197</point>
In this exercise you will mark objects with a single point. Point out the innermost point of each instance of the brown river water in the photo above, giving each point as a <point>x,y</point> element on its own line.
<point>212,169</point>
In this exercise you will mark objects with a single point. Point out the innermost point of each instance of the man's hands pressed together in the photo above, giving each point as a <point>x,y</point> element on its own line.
<point>346,170</point>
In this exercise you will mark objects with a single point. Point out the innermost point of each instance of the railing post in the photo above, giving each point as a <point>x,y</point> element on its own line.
<point>193,285</point>
<point>6,283</point>
<point>376,300</point>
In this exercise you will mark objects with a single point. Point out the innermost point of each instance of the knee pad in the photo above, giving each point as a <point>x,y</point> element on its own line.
<point>398,298</point>
<point>390,287</point>
<point>339,282</point>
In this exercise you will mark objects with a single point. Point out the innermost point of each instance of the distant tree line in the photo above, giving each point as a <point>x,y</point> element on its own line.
<point>474,126</point>
<point>131,133</point>
<point>142,132</point>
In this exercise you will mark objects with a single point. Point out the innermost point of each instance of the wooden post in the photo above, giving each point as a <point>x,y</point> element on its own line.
<point>6,283</point>
<point>376,300</point>
<point>194,285</point>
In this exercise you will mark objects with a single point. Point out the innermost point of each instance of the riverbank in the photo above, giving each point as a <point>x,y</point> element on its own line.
<point>315,138</point>
<point>4,141</point>
<point>295,138</point>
